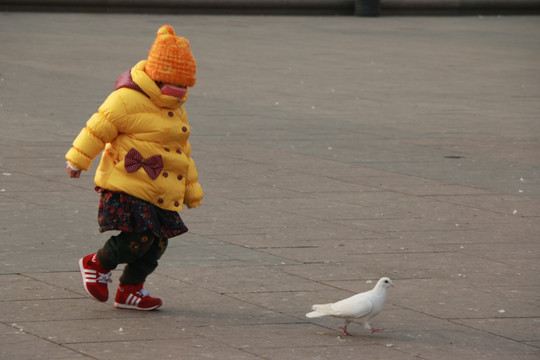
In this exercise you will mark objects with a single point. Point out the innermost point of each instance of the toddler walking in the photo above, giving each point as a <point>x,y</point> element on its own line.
<point>146,173</point>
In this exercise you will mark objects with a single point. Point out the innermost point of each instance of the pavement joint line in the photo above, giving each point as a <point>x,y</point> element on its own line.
<point>497,335</point>
<point>14,325</point>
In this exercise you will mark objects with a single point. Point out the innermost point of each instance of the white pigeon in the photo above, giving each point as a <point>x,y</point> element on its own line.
<point>360,307</point>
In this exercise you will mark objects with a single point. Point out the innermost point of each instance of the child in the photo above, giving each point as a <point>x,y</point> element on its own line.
<point>146,172</point>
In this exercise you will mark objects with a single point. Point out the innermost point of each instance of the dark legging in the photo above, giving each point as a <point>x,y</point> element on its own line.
<point>139,251</point>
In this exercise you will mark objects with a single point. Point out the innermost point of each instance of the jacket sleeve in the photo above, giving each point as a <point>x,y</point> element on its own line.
<point>101,128</point>
<point>194,192</point>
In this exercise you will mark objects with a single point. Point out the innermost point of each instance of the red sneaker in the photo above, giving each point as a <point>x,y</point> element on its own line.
<point>136,298</point>
<point>95,278</point>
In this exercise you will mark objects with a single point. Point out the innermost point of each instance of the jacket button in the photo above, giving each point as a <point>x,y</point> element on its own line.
<point>176,203</point>
<point>171,114</point>
<point>165,174</point>
<point>179,177</point>
<point>184,129</point>
<point>160,200</point>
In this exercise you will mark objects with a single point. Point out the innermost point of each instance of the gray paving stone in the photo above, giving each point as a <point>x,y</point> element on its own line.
<point>195,347</point>
<point>17,344</point>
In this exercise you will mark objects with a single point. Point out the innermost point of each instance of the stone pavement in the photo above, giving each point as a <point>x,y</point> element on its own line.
<point>332,151</point>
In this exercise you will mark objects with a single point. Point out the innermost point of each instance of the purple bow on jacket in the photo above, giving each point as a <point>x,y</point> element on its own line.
<point>134,161</point>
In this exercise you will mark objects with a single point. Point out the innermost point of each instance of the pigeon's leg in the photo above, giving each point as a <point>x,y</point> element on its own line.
<point>344,328</point>
<point>376,330</point>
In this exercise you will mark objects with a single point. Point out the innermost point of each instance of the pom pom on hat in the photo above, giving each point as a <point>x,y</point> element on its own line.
<point>170,59</point>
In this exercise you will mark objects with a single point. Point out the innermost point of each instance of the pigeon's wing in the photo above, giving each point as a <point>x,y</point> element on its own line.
<point>356,306</point>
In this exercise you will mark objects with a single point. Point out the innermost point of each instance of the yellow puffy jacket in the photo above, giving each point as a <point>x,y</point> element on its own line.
<point>138,121</point>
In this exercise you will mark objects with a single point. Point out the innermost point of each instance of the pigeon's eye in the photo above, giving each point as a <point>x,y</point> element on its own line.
<point>386,281</point>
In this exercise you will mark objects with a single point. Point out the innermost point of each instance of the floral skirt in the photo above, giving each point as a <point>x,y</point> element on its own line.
<point>120,211</point>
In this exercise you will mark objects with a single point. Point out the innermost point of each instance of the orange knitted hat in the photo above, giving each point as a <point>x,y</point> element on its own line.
<point>170,60</point>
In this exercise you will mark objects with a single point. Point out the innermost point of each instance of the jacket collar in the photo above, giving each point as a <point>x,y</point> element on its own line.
<point>125,81</point>
<point>138,80</point>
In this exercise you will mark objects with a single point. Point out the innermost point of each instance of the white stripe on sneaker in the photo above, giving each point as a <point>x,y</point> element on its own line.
<point>90,275</point>
<point>133,300</point>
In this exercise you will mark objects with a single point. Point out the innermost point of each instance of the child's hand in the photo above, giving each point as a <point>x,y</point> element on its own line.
<point>73,173</point>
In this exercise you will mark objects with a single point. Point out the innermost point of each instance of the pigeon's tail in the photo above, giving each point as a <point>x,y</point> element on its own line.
<point>320,310</point>
<point>315,314</point>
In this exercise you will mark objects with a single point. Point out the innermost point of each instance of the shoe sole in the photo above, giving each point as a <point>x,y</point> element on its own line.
<point>81,269</point>
<point>134,307</point>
